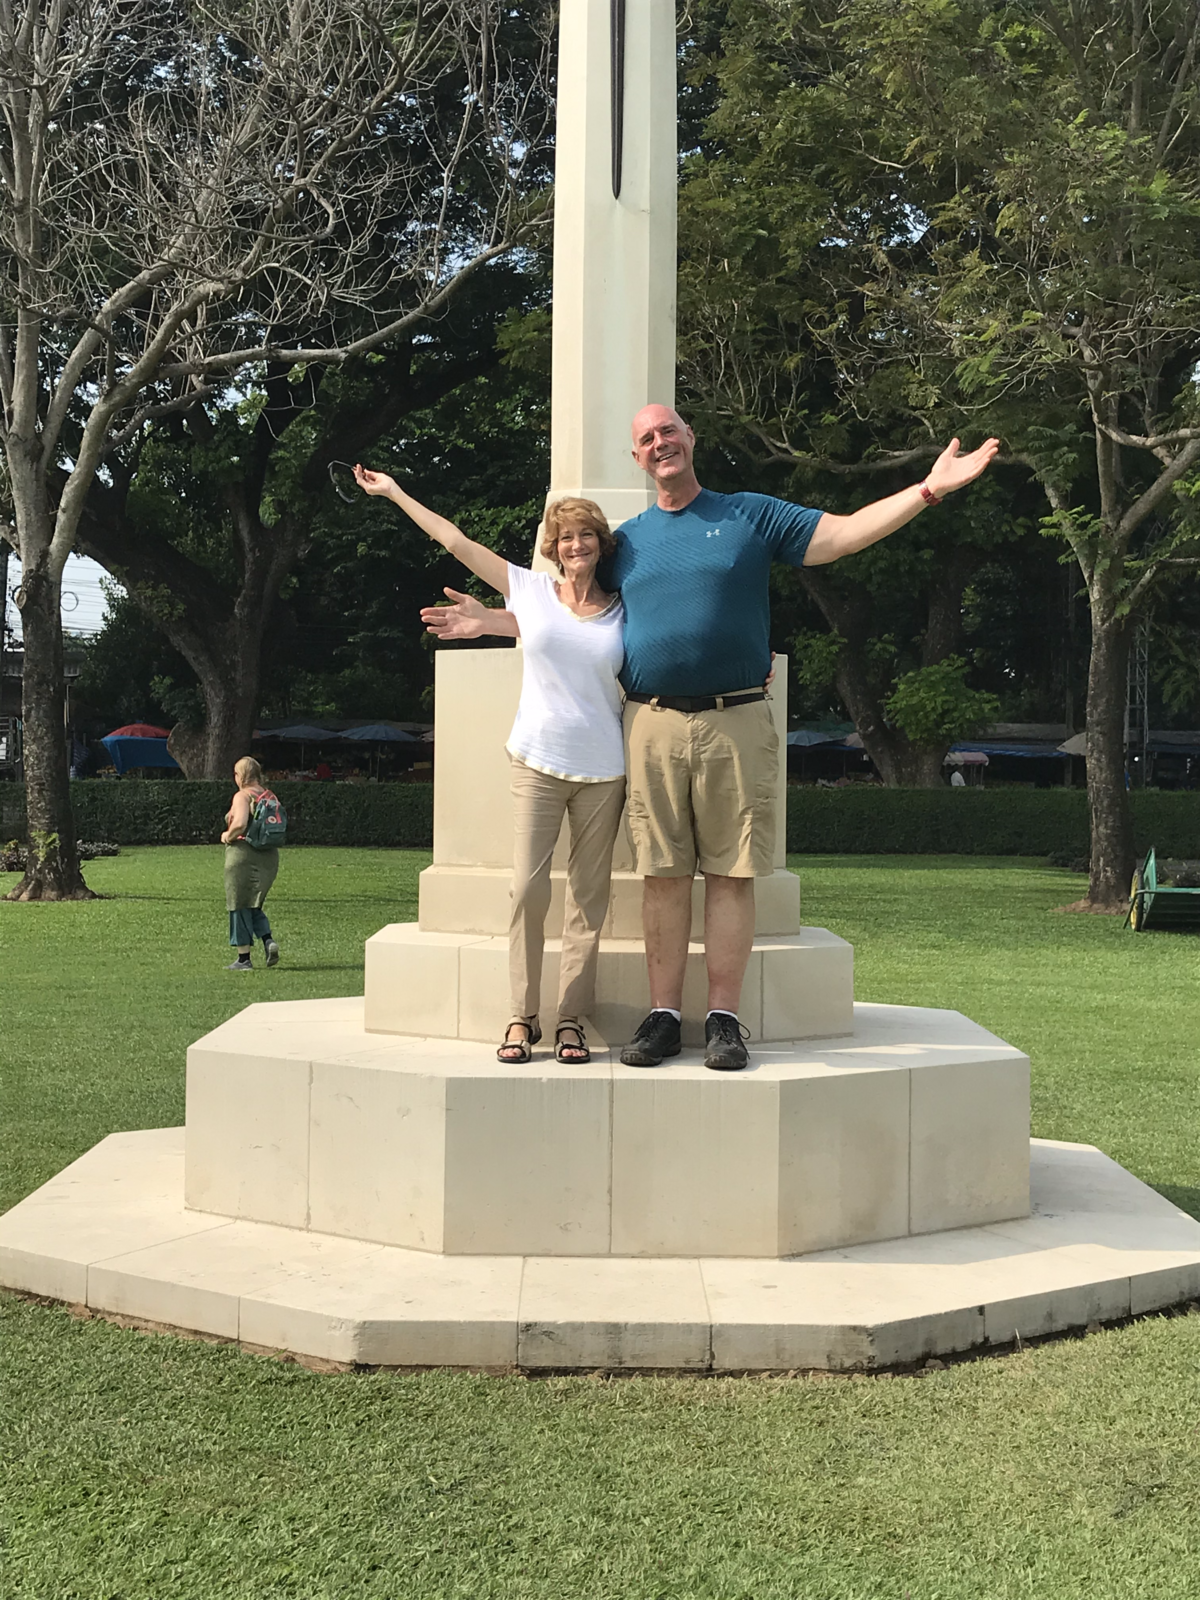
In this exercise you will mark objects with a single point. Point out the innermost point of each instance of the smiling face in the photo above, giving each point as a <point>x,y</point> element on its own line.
<point>663,445</point>
<point>578,551</point>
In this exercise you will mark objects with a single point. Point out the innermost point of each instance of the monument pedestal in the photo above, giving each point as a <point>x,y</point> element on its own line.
<point>112,1233</point>
<point>455,986</point>
<point>916,1121</point>
<point>360,1181</point>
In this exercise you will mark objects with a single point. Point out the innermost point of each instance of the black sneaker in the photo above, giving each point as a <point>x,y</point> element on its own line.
<point>723,1047</point>
<point>272,952</point>
<point>655,1039</point>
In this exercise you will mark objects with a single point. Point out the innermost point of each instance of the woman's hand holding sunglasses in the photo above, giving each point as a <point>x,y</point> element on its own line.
<point>373,482</point>
<point>347,481</point>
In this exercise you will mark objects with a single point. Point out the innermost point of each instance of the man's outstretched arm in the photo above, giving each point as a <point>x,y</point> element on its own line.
<point>842,536</point>
<point>468,618</point>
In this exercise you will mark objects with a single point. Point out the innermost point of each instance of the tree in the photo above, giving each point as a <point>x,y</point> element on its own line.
<point>205,525</point>
<point>190,194</point>
<point>1007,237</point>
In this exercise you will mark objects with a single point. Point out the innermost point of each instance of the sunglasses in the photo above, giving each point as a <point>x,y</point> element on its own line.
<point>345,485</point>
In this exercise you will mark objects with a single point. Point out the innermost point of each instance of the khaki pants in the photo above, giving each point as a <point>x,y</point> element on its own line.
<point>593,811</point>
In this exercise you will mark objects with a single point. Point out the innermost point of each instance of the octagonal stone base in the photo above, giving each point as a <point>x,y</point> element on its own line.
<point>111,1233</point>
<point>918,1120</point>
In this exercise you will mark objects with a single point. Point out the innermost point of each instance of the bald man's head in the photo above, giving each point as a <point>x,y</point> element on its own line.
<point>663,445</point>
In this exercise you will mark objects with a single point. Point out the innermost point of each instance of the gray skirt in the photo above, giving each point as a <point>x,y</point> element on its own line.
<point>249,874</point>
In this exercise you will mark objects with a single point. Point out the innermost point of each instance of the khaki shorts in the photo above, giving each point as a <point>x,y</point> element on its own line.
<point>703,790</point>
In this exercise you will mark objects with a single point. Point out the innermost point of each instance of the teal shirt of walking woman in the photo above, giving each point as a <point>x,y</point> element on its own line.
<point>249,872</point>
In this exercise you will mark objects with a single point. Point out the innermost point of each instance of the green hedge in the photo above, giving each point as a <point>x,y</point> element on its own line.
<point>991,822</point>
<point>173,812</point>
<point>976,822</point>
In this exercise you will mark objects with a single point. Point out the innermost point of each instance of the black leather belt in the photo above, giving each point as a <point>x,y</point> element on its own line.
<point>711,702</point>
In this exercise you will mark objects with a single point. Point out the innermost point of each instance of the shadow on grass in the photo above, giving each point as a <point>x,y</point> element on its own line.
<point>406,901</point>
<point>796,860</point>
<point>1179,1195</point>
<point>335,966</point>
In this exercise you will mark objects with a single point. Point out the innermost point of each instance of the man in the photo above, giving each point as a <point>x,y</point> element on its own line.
<point>701,751</point>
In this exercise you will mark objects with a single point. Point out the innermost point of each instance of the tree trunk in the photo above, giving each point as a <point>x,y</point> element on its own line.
<point>1108,798</point>
<point>219,634</point>
<point>230,712</point>
<point>52,860</point>
<point>900,764</point>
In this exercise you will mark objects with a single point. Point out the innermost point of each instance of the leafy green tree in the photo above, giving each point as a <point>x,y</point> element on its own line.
<point>934,705</point>
<point>192,193</point>
<point>924,218</point>
<point>354,643</point>
<point>344,638</point>
<point>207,523</point>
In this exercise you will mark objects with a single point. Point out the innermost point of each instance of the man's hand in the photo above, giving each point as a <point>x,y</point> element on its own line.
<point>836,536</point>
<point>468,618</point>
<point>373,482</point>
<point>952,471</point>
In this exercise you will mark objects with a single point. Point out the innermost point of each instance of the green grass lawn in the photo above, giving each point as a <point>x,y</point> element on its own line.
<point>143,1467</point>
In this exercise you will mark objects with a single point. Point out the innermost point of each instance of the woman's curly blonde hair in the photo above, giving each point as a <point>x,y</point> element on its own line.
<point>573,512</point>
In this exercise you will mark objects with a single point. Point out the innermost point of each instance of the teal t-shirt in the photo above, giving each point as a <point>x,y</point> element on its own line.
<point>694,583</point>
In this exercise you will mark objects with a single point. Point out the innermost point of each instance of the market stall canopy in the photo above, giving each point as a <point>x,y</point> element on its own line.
<point>304,732</point>
<point>138,751</point>
<point>138,730</point>
<point>378,733</point>
<point>1027,750</point>
<point>1076,745</point>
<point>806,738</point>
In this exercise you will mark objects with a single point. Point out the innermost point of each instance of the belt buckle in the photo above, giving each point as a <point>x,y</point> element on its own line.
<point>720,699</point>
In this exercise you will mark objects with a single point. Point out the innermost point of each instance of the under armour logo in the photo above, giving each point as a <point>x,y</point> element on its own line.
<point>713,533</point>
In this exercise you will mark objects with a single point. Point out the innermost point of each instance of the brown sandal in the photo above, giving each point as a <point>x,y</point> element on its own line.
<point>581,1054</point>
<point>524,1047</point>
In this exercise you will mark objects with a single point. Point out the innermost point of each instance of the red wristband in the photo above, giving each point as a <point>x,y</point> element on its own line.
<point>928,495</point>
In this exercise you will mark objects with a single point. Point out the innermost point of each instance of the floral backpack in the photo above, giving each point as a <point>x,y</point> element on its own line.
<point>267,827</point>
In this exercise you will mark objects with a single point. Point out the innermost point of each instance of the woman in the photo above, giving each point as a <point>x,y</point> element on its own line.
<point>566,751</point>
<point>249,873</point>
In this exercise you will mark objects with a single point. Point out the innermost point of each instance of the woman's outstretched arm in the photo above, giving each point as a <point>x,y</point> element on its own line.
<point>484,563</point>
<point>467,618</point>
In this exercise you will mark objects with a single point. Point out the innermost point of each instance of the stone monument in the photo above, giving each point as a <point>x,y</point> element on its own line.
<point>362,1181</point>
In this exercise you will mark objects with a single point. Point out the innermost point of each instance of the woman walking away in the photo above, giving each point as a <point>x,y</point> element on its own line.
<point>566,750</point>
<point>250,867</point>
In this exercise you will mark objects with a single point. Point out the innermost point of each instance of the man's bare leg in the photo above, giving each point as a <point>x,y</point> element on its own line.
<point>666,926</point>
<point>728,938</point>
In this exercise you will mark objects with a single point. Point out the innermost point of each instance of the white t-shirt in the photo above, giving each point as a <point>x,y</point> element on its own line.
<point>569,715</point>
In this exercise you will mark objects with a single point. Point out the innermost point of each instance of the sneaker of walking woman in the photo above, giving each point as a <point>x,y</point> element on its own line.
<point>242,964</point>
<point>271,949</point>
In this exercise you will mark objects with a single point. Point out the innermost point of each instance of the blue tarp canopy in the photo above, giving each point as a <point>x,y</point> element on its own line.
<point>127,752</point>
<point>1030,752</point>
<point>805,738</point>
<point>378,733</point>
<point>303,732</point>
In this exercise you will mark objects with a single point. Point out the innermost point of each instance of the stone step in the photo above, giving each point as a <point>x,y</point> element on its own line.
<point>456,899</point>
<point>917,1120</point>
<point>111,1233</point>
<point>456,986</point>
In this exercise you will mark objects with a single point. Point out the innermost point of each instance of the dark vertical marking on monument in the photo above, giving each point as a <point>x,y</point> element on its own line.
<point>616,40</point>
